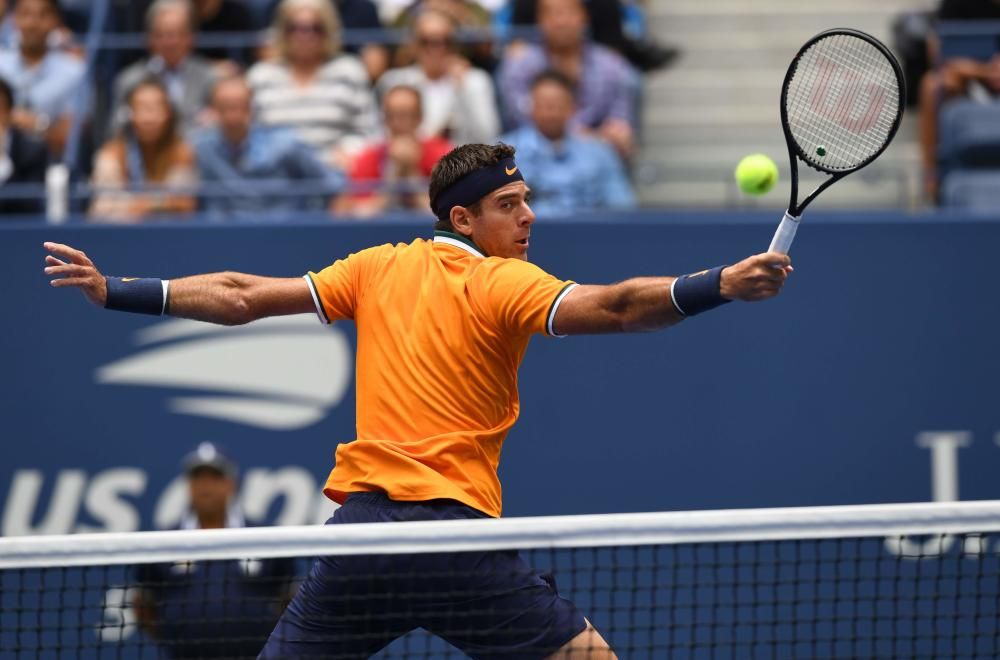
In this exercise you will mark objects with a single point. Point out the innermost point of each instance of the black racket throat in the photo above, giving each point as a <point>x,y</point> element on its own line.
<point>795,207</point>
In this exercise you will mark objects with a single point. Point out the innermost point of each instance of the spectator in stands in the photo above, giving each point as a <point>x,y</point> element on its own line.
<point>363,15</point>
<point>354,15</point>
<point>149,152</point>
<point>8,33</point>
<point>212,609</point>
<point>954,78</point>
<point>187,77</point>
<point>606,84</point>
<point>60,38</point>
<point>313,87</point>
<point>49,86</point>
<point>467,15</point>
<point>458,99</point>
<point>23,159</point>
<point>225,16</point>
<point>247,162</point>
<point>606,19</point>
<point>568,171</point>
<point>401,165</point>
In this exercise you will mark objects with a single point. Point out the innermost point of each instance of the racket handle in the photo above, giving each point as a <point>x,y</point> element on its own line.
<point>784,235</point>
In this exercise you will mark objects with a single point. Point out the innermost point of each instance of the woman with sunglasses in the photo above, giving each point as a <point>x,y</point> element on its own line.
<point>312,86</point>
<point>458,100</point>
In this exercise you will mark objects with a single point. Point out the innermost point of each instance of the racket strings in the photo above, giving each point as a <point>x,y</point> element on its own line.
<point>842,102</point>
<point>843,119</point>
<point>839,82</point>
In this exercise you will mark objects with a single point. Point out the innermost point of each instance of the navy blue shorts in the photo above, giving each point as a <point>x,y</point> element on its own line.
<point>488,604</point>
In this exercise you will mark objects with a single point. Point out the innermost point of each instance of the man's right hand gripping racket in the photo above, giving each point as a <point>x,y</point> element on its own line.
<point>841,104</point>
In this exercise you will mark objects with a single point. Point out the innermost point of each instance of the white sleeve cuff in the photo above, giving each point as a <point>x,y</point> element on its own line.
<point>166,292</point>
<point>673,298</point>
<point>320,312</point>
<point>555,307</point>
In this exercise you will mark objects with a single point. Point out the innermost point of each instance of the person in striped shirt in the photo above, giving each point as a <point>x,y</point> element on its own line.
<point>312,86</point>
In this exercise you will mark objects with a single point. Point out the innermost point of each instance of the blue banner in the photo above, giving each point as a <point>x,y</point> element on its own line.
<point>872,378</point>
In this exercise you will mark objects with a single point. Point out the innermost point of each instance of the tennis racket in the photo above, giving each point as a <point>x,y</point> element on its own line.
<point>841,104</point>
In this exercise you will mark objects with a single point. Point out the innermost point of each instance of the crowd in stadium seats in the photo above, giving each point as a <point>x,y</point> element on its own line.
<point>266,107</point>
<point>959,100</point>
<point>24,159</point>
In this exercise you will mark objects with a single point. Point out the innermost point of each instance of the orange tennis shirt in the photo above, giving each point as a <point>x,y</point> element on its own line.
<point>442,330</point>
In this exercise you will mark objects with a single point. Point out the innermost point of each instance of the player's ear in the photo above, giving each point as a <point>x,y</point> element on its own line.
<point>461,220</point>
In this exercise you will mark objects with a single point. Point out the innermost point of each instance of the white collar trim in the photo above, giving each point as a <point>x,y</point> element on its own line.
<point>447,240</point>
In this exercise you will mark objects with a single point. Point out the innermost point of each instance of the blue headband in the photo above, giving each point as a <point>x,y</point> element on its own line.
<point>474,186</point>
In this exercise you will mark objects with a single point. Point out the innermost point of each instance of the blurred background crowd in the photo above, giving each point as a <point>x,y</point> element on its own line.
<point>165,108</point>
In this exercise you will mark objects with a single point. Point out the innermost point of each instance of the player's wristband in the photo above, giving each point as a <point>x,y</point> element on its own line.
<point>145,295</point>
<point>698,292</point>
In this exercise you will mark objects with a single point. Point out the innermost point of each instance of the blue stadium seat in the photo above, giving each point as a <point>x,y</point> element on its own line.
<point>978,40</point>
<point>972,189</point>
<point>969,135</point>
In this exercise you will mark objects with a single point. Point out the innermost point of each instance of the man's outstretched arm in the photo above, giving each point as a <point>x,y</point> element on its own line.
<point>224,298</point>
<point>650,303</point>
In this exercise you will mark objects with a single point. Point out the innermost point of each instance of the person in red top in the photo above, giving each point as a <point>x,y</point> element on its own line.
<point>393,174</point>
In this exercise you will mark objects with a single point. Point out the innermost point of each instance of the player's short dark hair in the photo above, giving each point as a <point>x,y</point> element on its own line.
<point>6,94</point>
<point>460,162</point>
<point>556,77</point>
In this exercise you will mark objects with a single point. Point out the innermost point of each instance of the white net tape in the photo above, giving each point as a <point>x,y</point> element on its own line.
<point>635,529</point>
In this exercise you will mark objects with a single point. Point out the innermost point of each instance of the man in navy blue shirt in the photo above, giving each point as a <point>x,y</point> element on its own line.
<point>212,609</point>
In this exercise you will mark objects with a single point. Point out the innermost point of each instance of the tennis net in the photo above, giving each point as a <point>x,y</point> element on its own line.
<point>901,580</point>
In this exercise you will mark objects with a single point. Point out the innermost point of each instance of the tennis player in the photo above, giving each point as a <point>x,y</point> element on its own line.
<point>442,327</point>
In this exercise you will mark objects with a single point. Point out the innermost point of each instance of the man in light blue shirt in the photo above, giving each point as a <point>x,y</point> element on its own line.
<point>246,168</point>
<point>49,86</point>
<point>569,170</point>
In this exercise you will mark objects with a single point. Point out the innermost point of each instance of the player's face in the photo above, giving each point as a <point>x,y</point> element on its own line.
<point>504,223</point>
<point>210,491</point>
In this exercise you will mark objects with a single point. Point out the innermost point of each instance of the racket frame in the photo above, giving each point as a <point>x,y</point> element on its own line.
<point>795,152</point>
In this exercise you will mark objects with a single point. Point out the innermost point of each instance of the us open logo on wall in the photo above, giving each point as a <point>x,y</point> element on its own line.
<point>281,374</point>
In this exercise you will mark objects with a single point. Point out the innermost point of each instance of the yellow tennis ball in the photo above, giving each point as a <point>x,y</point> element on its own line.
<point>756,174</point>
